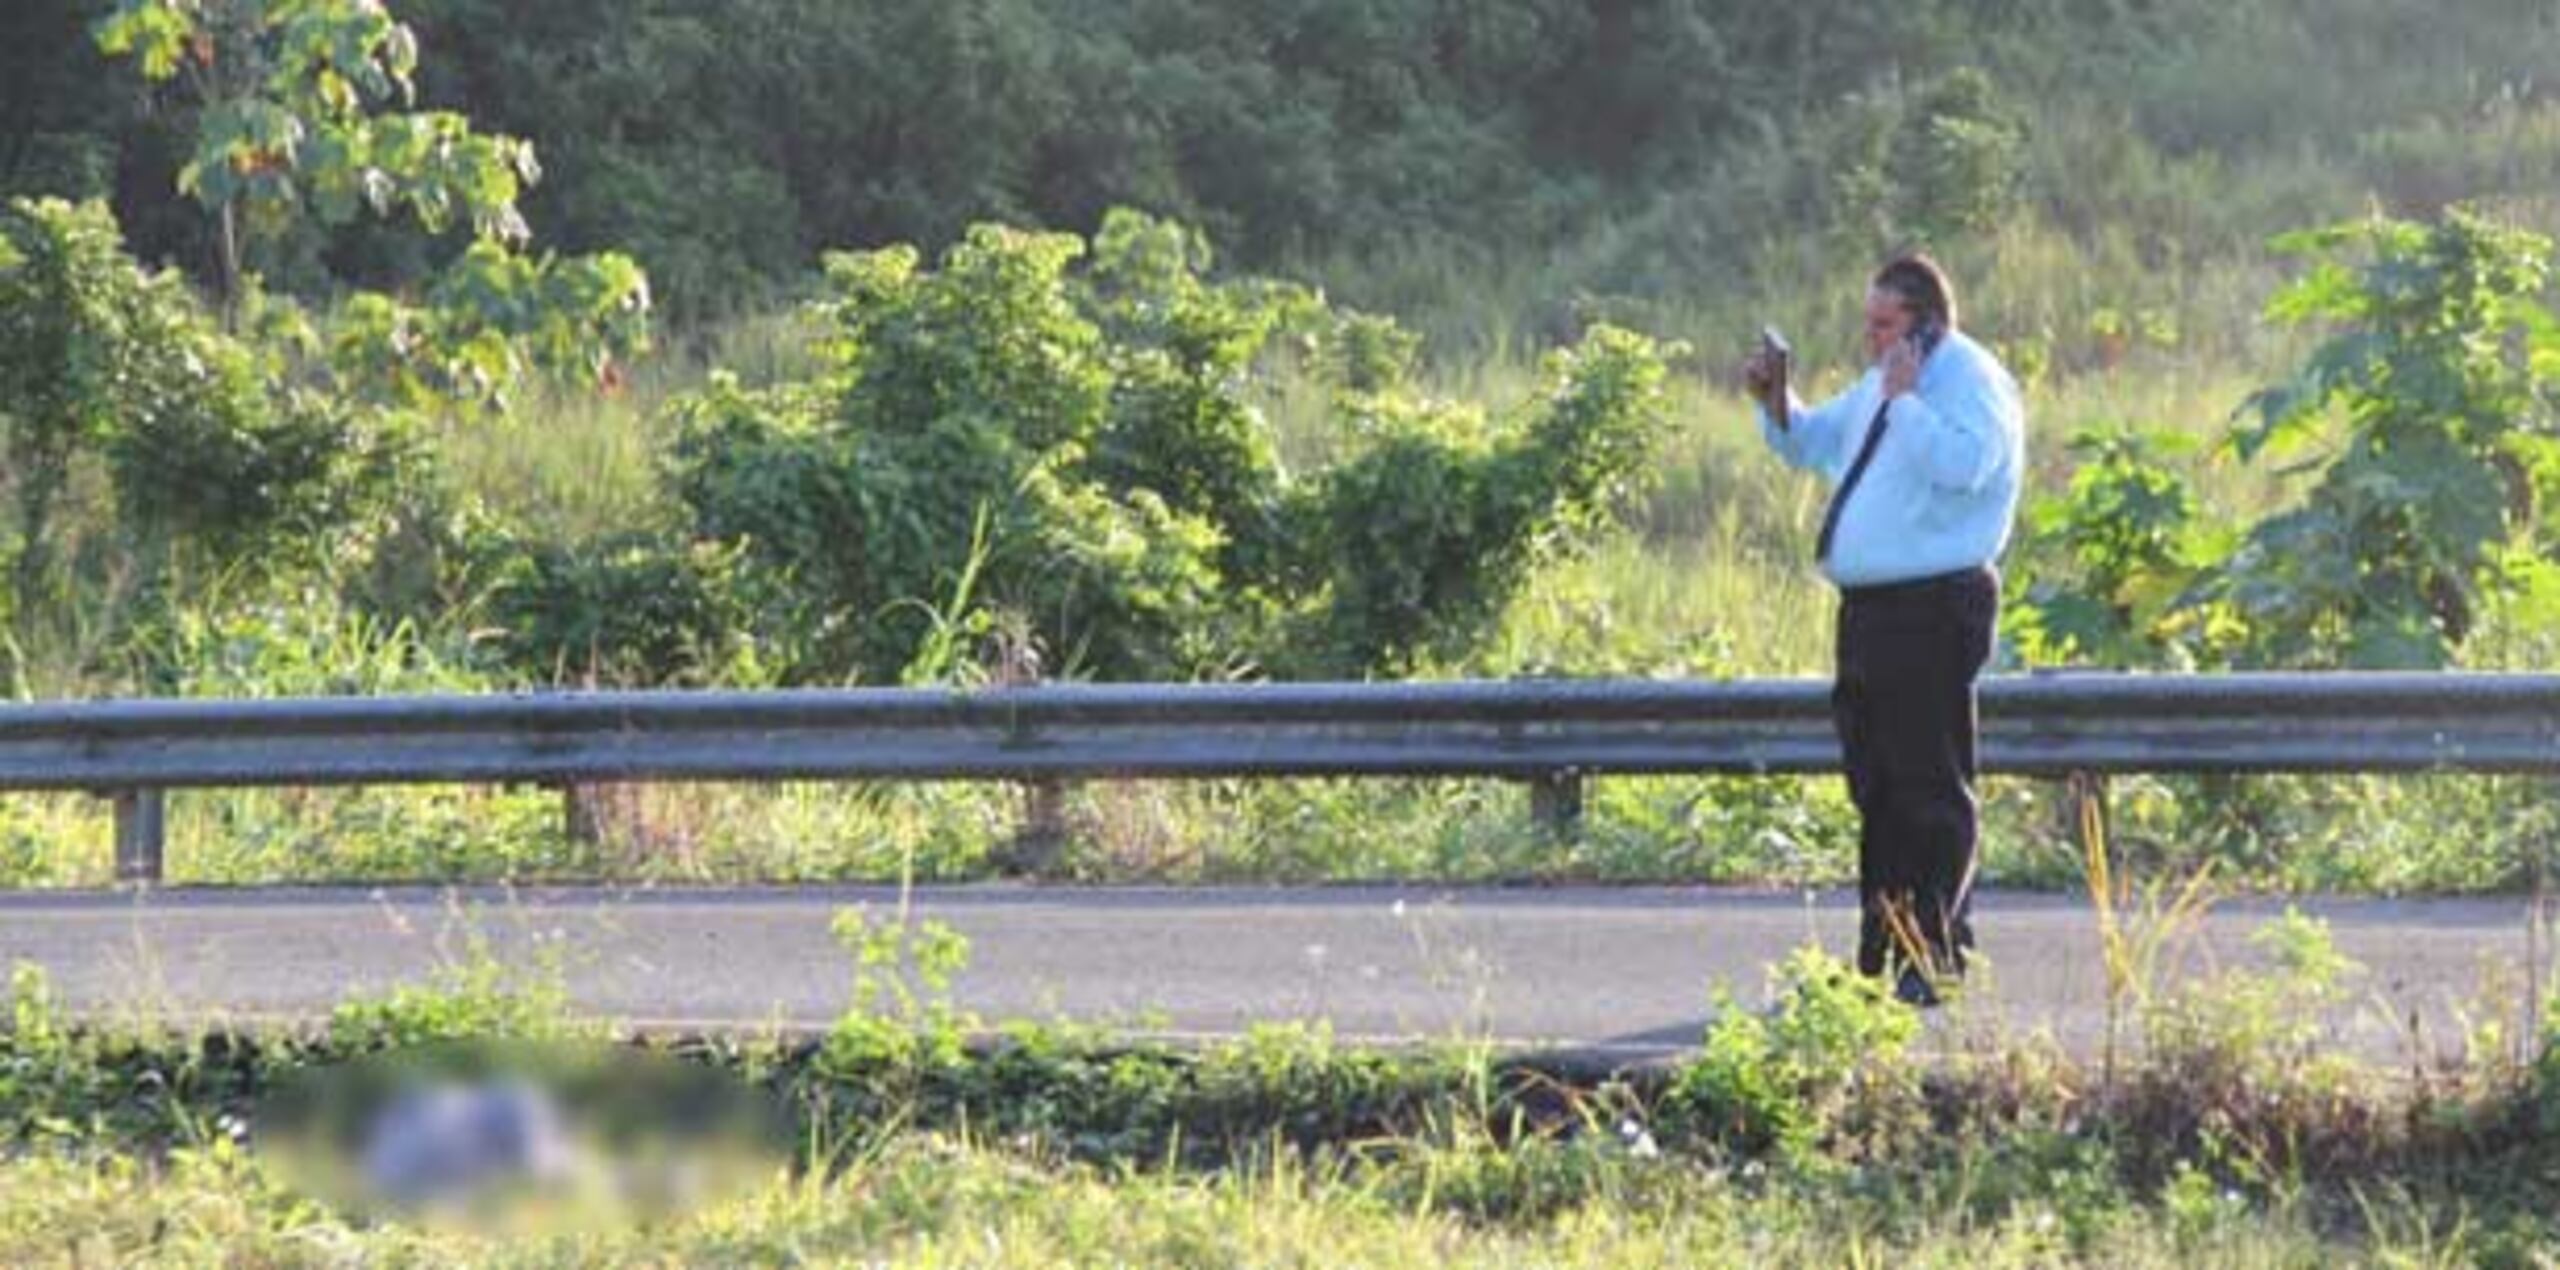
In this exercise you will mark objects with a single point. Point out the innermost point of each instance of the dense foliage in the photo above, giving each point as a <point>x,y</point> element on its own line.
<point>221,451</point>
<point>2446,371</point>
<point>1076,447</point>
<point>107,369</point>
<point>1283,130</point>
<point>2431,415</point>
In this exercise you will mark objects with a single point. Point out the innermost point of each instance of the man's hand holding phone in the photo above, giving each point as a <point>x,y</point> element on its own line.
<point>1902,361</point>
<point>1901,367</point>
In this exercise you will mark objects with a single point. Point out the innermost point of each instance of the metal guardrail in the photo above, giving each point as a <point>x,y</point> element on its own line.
<point>1548,733</point>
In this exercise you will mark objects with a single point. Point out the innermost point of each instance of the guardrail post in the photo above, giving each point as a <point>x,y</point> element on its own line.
<point>583,804</point>
<point>1041,839</point>
<point>580,817</point>
<point>2537,934</point>
<point>141,833</point>
<point>1555,804</point>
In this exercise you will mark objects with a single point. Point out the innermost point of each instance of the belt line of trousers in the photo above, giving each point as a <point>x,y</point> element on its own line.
<point>1904,704</point>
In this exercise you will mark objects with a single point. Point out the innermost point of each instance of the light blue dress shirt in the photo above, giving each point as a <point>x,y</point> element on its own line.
<point>1942,490</point>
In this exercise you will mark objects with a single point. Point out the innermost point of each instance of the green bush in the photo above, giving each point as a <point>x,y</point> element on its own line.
<point>2446,369</point>
<point>52,1085</point>
<point>110,373</point>
<point>1827,1068</point>
<point>2104,564</point>
<point>1926,167</point>
<point>630,609</point>
<point>1081,448</point>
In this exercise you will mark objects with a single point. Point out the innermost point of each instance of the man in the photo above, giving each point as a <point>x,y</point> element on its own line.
<point>1924,454</point>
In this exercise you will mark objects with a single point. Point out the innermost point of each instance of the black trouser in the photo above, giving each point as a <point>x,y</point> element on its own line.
<point>1904,704</point>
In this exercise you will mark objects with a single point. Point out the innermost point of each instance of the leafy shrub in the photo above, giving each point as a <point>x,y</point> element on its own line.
<point>1942,163</point>
<point>1826,1069</point>
<point>2444,376</point>
<point>107,368</point>
<point>1425,537</point>
<point>478,998</point>
<point>2447,374</point>
<point>2107,561</point>
<point>1081,449</point>
<point>49,1073</point>
<point>900,1024</point>
<point>627,609</point>
<point>2242,1075</point>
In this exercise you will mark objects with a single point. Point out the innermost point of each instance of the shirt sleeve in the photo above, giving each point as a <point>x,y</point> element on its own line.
<point>1812,438</point>
<point>1963,425</point>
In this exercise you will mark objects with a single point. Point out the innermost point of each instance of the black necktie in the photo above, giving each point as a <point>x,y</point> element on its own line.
<point>1849,483</point>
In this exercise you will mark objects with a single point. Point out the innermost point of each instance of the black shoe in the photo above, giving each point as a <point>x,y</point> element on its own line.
<point>1914,989</point>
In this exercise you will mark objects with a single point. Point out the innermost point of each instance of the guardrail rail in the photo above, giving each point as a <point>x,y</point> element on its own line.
<point>1550,734</point>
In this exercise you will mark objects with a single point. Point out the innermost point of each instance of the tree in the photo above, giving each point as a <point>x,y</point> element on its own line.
<point>2445,374</point>
<point>1927,167</point>
<point>59,117</point>
<point>299,123</point>
<point>103,362</point>
<point>294,120</point>
<point>1956,165</point>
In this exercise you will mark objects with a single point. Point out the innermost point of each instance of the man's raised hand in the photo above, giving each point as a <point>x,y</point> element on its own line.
<point>1757,374</point>
<point>1901,369</point>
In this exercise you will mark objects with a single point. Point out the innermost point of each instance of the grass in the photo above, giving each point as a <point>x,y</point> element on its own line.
<point>935,1201</point>
<point>2373,835</point>
<point>1807,1130</point>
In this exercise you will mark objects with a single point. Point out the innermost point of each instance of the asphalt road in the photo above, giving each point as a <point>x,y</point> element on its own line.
<point>1615,974</point>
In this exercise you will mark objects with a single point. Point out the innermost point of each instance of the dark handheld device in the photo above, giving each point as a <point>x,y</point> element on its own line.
<point>1776,355</point>
<point>1924,336</point>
